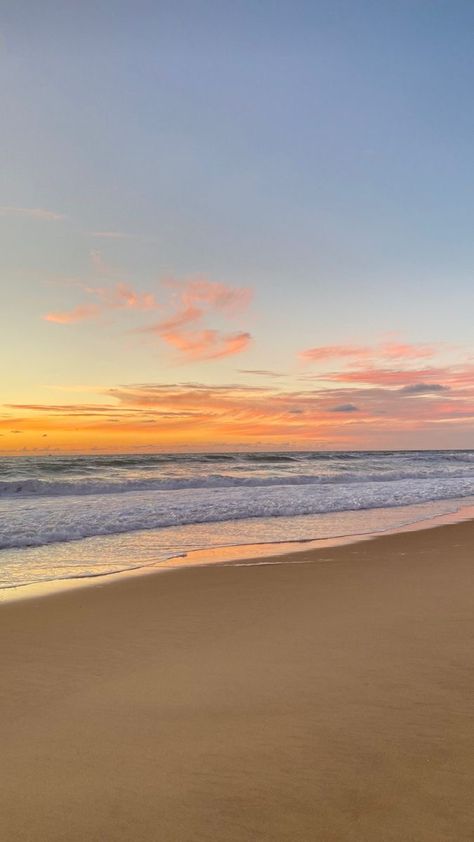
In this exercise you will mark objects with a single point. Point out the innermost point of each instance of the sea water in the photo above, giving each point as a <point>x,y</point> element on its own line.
<point>77,516</point>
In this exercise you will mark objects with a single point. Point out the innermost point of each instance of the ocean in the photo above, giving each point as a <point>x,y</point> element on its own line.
<point>65,517</point>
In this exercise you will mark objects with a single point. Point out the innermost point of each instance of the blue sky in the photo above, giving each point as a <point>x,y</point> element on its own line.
<point>318,153</point>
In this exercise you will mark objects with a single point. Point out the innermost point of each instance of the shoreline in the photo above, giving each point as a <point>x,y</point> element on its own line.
<point>329,699</point>
<point>239,554</point>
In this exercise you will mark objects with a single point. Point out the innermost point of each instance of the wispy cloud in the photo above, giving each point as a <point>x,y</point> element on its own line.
<point>31,213</point>
<point>261,372</point>
<point>309,415</point>
<point>200,292</point>
<point>120,296</point>
<point>104,298</point>
<point>190,302</point>
<point>321,353</point>
<point>406,351</point>
<point>359,353</point>
<point>387,377</point>
<point>413,411</point>
<point>185,305</point>
<point>207,344</point>
<point>77,314</point>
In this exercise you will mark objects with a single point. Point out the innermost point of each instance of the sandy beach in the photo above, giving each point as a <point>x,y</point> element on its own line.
<point>326,700</point>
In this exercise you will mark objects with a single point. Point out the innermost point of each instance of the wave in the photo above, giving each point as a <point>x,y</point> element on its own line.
<point>87,486</point>
<point>66,462</point>
<point>52,519</point>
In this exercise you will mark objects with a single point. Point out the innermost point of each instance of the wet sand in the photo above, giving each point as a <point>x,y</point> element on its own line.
<point>331,699</point>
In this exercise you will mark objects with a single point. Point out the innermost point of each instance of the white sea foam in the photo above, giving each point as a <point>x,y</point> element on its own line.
<point>77,516</point>
<point>61,499</point>
<point>60,488</point>
<point>98,475</point>
<point>44,520</point>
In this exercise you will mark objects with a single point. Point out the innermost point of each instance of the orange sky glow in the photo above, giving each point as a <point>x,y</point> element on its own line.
<point>386,394</point>
<point>365,403</point>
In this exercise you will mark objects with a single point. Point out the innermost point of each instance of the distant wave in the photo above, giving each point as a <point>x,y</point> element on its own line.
<point>18,488</point>
<point>142,460</point>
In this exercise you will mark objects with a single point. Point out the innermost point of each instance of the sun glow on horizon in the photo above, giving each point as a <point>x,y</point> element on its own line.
<point>376,397</point>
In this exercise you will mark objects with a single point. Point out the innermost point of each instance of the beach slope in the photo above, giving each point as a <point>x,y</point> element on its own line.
<point>328,699</point>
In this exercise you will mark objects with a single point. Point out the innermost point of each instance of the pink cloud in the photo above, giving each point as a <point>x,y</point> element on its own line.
<point>328,352</point>
<point>215,295</point>
<point>452,376</point>
<point>385,376</point>
<point>123,296</point>
<point>406,351</point>
<point>359,353</point>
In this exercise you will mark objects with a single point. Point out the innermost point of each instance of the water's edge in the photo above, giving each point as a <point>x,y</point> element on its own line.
<point>237,555</point>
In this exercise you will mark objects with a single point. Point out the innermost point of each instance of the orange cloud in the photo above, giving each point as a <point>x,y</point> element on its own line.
<point>408,409</point>
<point>331,415</point>
<point>192,300</point>
<point>187,304</point>
<point>207,344</point>
<point>120,296</point>
<point>77,314</point>
<point>328,352</point>
<point>188,315</point>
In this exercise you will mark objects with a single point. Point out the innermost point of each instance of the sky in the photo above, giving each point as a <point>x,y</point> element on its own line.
<point>236,225</point>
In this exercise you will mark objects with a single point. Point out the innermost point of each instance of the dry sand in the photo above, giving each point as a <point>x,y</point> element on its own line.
<point>328,700</point>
